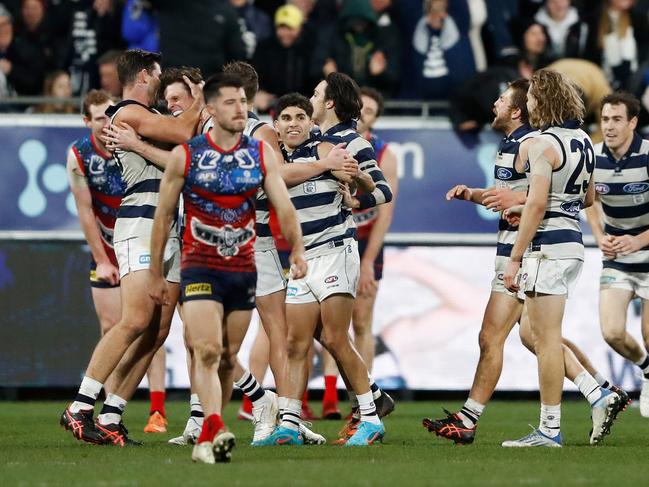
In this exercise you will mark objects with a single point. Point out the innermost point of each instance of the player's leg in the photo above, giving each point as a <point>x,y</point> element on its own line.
<point>272,313</point>
<point>234,331</point>
<point>156,376</point>
<point>613,306</point>
<point>108,306</point>
<point>258,361</point>
<point>644,393</point>
<point>362,318</point>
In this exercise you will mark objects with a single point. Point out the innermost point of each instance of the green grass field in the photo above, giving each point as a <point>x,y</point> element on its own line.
<point>34,450</point>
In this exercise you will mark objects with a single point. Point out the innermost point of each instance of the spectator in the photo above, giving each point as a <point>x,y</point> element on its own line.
<point>567,32</point>
<point>282,62</point>
<point>6,38</point>
<point>255,24</point>
<point>204,34</point>
<point>57,85</point>
<point>108,77</point>
<point>140,26</point>
<point>531,40</point>
<point>619,40</point>
<point>359,48</point>
<point>440,53</point>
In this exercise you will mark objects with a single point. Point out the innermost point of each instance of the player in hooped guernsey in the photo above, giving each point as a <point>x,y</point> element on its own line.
<point>620,222</point>
<point>560,163</point>
<point>219,174</point>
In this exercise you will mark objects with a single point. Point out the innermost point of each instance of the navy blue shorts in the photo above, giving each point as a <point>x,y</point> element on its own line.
<point>378,263</point>
<point>234,290</point>
<point>283,259</point>
<point>96,283</point>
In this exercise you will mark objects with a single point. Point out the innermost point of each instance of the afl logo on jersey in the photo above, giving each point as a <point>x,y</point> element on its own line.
<point>602,188</point>
<point>634,188</point>
<point>503,173</point>
<point>573,206</point>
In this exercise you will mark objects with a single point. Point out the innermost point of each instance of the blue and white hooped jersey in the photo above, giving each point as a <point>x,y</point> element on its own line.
<point>323,218</point>
<point>623,189</point>
<point>559,234</point>
<point>506,176</point>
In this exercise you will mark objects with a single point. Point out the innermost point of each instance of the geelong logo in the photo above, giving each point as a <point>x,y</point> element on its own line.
<point>634,188</point>
<point>331,279</point>
<point>573,206</point>
<point>602,188</point>
<point>503,173</point>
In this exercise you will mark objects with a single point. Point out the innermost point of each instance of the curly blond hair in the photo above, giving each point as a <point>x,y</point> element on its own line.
<point>557,99</point>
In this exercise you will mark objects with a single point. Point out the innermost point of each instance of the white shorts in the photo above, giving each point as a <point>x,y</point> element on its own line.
<point>549,276</point>
<point>637,282</point>
<point>497,283</point>
<point>271,277</point>
<point>332,273</point>
<point>134,254</point>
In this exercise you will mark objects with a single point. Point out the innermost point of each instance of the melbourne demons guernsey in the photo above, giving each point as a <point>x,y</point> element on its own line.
<point>142,179</point>
<point>365,219</point>
<point>106,188</point>
<point>623,189</point>
<point>219,197</point>
<point>506,176</point>
<point>324,220</point>
<point>559,233</point>
<point>361,150</point>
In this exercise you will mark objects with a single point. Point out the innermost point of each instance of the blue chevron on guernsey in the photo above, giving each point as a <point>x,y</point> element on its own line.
<point>623,189</point>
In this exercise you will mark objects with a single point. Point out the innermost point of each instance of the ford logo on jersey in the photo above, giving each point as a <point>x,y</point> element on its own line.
<point>602,188</point>
<point>503,173</point>
<point>573,206</point>
<point>634,188</point>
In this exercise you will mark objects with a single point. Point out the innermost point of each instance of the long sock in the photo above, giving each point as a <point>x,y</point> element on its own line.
<point>589,387</point>
<point>213,423</point>
<point>87,395</point>
<point>246,405</point>
<point>550,424</point>
<point>644,365</point>
<point>471,412</point>
<point>111,412</point>
<point>291,409</point>
<point>305,397</point>
<point>331,390</point>
<point>376,392</point>
<point>157,402</point>
<point>250,387</point>
<point>368,409</point>
<point>601,380</point>
<point>195,408</point>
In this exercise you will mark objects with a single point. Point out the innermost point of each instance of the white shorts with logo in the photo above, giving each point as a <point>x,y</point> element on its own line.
<point>335,272</point>
<point>498,283</point>
<point>271,277</point>
<point>134,254</point>
<point>637,282</point>
<point>549,276</point>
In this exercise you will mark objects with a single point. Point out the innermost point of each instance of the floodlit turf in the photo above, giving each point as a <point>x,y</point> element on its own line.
<point>34,450</point>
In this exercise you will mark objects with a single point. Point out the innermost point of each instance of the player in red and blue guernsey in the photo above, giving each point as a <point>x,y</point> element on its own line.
<point>218,175</point>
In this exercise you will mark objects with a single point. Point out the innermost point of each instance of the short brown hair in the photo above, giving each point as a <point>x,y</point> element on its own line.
<point>248,76</point>
<point>376,96</point>
<point>346,95</point>
<point>519,89</point>
<point>94,97</point>
<point>175,75</point>
<point>133,61</point>
<point>557,99</point>
<point>631,103</point>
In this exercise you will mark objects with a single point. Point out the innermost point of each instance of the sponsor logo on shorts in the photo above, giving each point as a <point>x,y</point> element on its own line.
<point>331,279</point>
<point>634,188</point>
<point>602,188</point>
<point>145,259</point>
<point>503,173</point>
<point>198,288</point>
<point>607,279</point>
<point>291,291</point>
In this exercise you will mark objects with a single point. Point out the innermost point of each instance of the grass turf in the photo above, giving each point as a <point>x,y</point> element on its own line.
<point>34,450</point>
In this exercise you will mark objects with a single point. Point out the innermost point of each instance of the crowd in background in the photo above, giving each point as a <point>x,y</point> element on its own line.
<point>463,51</point>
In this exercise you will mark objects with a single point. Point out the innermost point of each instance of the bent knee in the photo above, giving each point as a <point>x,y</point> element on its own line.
<point>208,353</point>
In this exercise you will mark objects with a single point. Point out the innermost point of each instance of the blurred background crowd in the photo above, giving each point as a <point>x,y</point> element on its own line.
<point>460,52</point>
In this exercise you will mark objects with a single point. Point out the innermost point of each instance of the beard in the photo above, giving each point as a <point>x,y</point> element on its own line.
<point>501,122</point>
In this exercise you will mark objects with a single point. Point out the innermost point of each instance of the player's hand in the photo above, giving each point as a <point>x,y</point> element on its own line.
<point>196,89</point>
<point>348,200</point>
<point>513,215</point>
<point>509,277</point>
<point>157,287</point>
<point>499,199</point>
<point>298,264</point>
<point>336,158</point>
<point>626,244</point>
<point>121,136</point>
<point>367,285</point>
<point>459,192</point>
<point>107,272</point>
<point>606,245</point>
<point>342,176</point>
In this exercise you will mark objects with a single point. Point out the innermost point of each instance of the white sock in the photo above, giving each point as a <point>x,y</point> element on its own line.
<point>471,412</point>
<point>112,411</point>
<point>290,413</point>
<point>87,395</point>
<point>601,380</point>
<point>644,365</point>
<point>195,409</point>
<point>550,424</point>
<point>588,387</point>
<point>367,407</point>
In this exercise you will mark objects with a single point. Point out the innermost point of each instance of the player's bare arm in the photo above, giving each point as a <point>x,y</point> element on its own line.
<point>106,271</point>
<point>595,217</point>
<point>335,160</point>
<point>170,188</point>
<point>275,188</point>
<point>122,136</point>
